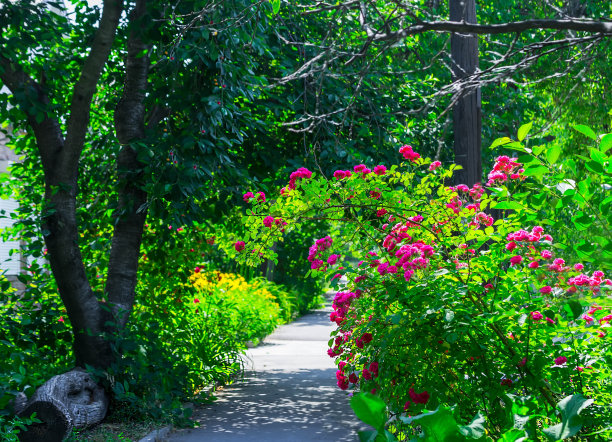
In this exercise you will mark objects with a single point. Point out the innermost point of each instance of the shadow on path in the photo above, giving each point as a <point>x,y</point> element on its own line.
<point>289,393</point>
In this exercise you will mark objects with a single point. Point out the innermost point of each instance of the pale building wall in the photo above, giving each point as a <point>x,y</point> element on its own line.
<point>9,264</point>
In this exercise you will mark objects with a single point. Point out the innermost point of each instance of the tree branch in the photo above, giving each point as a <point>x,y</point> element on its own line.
<point>84,89</point>
<point>46,130</point>
<point>603,27</point>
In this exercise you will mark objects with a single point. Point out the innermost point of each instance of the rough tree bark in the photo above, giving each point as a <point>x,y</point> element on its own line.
<point>131,212</point>
<point>467,117</point>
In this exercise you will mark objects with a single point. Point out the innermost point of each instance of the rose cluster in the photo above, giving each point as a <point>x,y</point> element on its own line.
<point>315,253</point>
<point>505,169</point>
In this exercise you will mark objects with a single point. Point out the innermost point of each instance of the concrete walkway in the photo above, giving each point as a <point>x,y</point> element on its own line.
<point>289,393</point>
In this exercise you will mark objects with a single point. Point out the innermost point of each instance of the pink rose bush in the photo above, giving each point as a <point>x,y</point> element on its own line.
<point>440,303</point>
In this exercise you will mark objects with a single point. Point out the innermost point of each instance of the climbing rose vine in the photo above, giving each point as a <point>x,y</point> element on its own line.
<point>440,307</point>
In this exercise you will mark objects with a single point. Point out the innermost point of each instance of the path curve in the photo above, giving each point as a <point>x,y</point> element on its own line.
<point>289,393</point>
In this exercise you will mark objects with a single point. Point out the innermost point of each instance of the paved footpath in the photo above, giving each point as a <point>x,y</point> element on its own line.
<point>289,393</point>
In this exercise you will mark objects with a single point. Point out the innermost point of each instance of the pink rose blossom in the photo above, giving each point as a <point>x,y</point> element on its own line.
<point>268,220</point>
<point>517,259</point>
<point>408,153</point>
<point>536,315</point>
<point>239,246</point>
<point>418,398</point>
<point>339,174</point>
<point>374,368</point>
<point>605,319</point>
<point>301,173</point>
<point>380,170</point>
<point>546,289</point>
<point>332,259</point>
<point>408,274</point>
<point>593,309</point>
<point>560,360</point>
<point>343,383</point>
<point>433,166</point>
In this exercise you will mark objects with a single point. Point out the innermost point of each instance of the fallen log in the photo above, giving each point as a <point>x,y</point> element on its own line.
<point>65,402</point>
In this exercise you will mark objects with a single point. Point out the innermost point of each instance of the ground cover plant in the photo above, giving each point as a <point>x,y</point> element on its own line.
<point>454,324</point>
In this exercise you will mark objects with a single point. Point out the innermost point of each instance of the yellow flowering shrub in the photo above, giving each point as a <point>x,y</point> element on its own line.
<point>248,309</point>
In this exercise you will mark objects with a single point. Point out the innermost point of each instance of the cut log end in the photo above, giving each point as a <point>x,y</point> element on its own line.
<point>69,400</point>
<point>55,425</point>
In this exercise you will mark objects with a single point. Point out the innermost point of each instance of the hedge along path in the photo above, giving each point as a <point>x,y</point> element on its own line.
<point>289,392</point>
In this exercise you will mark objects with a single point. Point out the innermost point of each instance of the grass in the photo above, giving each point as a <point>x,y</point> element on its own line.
<point>115,431</point>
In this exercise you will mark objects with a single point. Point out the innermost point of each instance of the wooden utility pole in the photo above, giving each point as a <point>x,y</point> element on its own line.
<point>467,116</point>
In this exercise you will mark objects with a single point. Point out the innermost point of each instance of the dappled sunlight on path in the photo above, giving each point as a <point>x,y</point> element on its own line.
<point>289,392</point>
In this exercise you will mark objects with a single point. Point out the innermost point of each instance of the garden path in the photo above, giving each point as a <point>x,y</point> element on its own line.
<point>289,392</point>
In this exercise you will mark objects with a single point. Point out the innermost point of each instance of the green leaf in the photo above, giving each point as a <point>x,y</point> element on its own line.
<point>500,142</point>
<point>275,6</point>
<point>573,308</point>
<point>367,436</point>
<point>537,150</point>
<point>524,130</point>
<point>585,130</point>
<point>582,221</point>
<point>515,145</point>
<point>606,143</point>
<point>552,154</point>
<point>438,425</point>
<point>597,156</point>
<point>594,166</point>
<point>571,422</point>
<point>536,171</point>
<point>512,205</point>
<point>512,436</point>
<point>370,409</point>
<point>476,428</point>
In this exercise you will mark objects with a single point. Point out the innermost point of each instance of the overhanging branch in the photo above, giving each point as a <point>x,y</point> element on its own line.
<point>594,26</point>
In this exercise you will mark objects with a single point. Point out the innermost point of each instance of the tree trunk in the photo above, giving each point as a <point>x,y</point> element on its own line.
<point>65,402</point>
<point>131,213</point>
<point>467,118</point>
